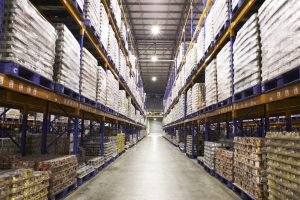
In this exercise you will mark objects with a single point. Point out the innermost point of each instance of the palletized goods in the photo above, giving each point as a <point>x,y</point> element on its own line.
<point>24,184</point>
<point>209,30</point>
<point>220,12</point>
<point>224,163</point>
<point>8,153</point>
<point>250,166</point>
<point>104,26</point>
<point>27,39</point>
<point>101,86</point>
<point>224,73</point>
<point>283,164</point>
<point>246,56</point>
<point>112,88</point>
<point>210,152</point>
<point>189,102</point>
<point>200,45</point>
<point>84,170</point>
<point>211,90</point>
<point>88,79</point>
<point>110,147</point>
<point>279,29</point>
<point>92,13</point>
<point>198,144</point>
<point>198,97</point>
<point>67,59</point>
<point>120,142</point>
<point>96,162</point>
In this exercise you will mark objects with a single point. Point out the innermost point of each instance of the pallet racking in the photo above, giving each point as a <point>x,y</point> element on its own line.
<point>270,106</point>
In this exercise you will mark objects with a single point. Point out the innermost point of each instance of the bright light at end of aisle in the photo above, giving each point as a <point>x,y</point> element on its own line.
<point>154,58</point>
<point>154,119</point>
<point>154,78</point>
<point>155,30</point>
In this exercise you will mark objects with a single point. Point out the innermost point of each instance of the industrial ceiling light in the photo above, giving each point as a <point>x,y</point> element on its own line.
<point>155,30</point>
<point>154,78</point>
<point>154,58</point>
<point>154,119</point>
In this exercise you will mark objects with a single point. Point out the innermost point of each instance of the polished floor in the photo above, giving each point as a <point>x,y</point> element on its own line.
<point>153,170</point>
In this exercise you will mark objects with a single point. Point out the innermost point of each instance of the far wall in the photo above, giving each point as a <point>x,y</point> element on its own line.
<point>155,126</point>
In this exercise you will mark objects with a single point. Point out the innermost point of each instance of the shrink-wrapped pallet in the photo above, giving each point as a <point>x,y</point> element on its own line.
<point>123,103</point>
<point>8,153</point>
<point>220,11</point>
<point>101,86</point>
<point>283,165</point>
<point>13,114</point>
<point>92,10</point>
<point>209,30</point>
<point>211,90</point>
<point>198,97</point>
<point>224,163</point>
<point>120,142</point>
<point>246,56</point>
<point>200,45</point>
<point>224,73</point>
<point>104,27</point>
<point>210,149</point>
<point>189,102</point>
<point>96,162</point>
<point>112,88</point>
<point>28,39</point>
<point>67,60</point>
<point>250,166</point>
<point>279,31</point>
<point>88,79</point>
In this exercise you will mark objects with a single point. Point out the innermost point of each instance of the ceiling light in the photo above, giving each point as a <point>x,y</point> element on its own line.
<point>154,78</point>
<point>154,58</point>
<point>154,119</point>
<point>155,30</point>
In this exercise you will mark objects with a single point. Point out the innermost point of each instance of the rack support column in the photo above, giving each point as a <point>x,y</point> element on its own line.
<point>102,138</point>
<point>75,135</point>
<point>184,134</point>
<point>45,129</point>
<point>207,130</point>
<point>193,140</point>
<point>24,131</point>
<point>288,121</point>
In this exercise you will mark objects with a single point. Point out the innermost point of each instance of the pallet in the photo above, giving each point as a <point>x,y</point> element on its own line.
<point>282,80</point>
<point>191,156</point>
<point>86,178</point>
<point>64,193</point>
<point>76,5</point>
<point>87,101</point>
<point>200,163</point>
<point>225,102</point>
<point>210,171</point>
<point>222,30</point>
<point>224,180</point>
<point>60,89</point>
<point>250,92</point>
<point>244,195</point>
<point>20,72</point>
<point>238,7</point>
<point>88,23</point>
<point>211,108</point>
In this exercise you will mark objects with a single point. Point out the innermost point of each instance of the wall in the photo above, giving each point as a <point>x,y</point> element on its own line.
<point>155,125</point>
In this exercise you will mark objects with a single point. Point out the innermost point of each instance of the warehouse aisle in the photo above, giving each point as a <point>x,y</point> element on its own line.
<point>153,170</point>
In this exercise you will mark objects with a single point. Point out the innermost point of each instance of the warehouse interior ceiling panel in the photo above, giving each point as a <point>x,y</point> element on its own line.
<point>170,16</point>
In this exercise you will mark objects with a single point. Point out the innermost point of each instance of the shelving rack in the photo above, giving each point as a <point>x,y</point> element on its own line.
<point>28,97</point>
<point>247,116</point>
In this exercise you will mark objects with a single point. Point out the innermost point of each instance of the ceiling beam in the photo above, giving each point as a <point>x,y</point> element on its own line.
<point>155,11</point>
<point>153,4</point>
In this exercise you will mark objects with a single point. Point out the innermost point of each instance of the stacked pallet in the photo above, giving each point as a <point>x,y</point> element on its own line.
<point>198,97</point>
<point>123,103</point>
<point>181,146</point>
<point>104,26</point>
<point>24,184</point>
<point>283,164</point>
<point>114,5</point>
<point>220,11</point>
<point>199,143</point>
<point>92,147</point>
<point>120,142</point>
<point>280,52</point>
<point>92,13</point>
<point>210,149</point>
<point>13,114</point>
<point>112,87</point>
<point>88,85</point>
<point>224,163</point>
<point>96,162</point>
<point>83,170</point>
<point>21,21</point>
<point>200,45</point>
<point>110,148</point>
<point>113,47</point>
<point>211,88</point>
<point>8,153</point>
<point>246,56</point>
<point>62,170</point>
<point>189,102</point>
<point>209,30</point>
<point>250,166</point>
<point>224,73</point>
<point>189,145</point>
<point>67,60</point>
<point>101,86</point>
<point>234,3</point>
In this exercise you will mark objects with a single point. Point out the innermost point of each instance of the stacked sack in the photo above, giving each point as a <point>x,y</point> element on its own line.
<point>104,26</point>
<point>209,29</point>
<point>224,73</point>
<point>200,45</point>
<point>8,154</point>
<point>92,13</point>
<point>123,103</point>
<point>112,87</point>
<point>67,60</point>
<point>220,10</point>
<point>189,102</point>
<point>279,29</point>
<point>120,142</point>
<point>246,56</point>
<point>88,83</point>
<point>27,38</point>
<point>198,97</point>
<point>101,86</point>
<point>211,90</point>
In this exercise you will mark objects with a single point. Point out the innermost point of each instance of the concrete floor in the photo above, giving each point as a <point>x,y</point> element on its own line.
<point>153,170</point>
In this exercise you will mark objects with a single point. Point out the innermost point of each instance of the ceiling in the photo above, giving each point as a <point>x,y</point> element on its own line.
<point>170,16</point>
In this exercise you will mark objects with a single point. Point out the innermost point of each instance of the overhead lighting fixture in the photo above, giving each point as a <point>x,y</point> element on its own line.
<point>154,119</point>
<point>154,78</point>
<point>154,58</point>
<point>155,30</point>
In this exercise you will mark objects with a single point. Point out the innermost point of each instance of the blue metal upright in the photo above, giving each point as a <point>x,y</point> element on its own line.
<point>227,129</point>
<point>75,135</point>
<point>102,126</point>
<point>184,134</point>
<point>45,129</point>
<point>193,140</point>
<point>288,121</point>
<point>82,130</point>
<point>24,131</point>
<point>207,130</point>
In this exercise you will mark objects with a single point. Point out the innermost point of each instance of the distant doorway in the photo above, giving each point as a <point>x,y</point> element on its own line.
<point>155,126</point>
